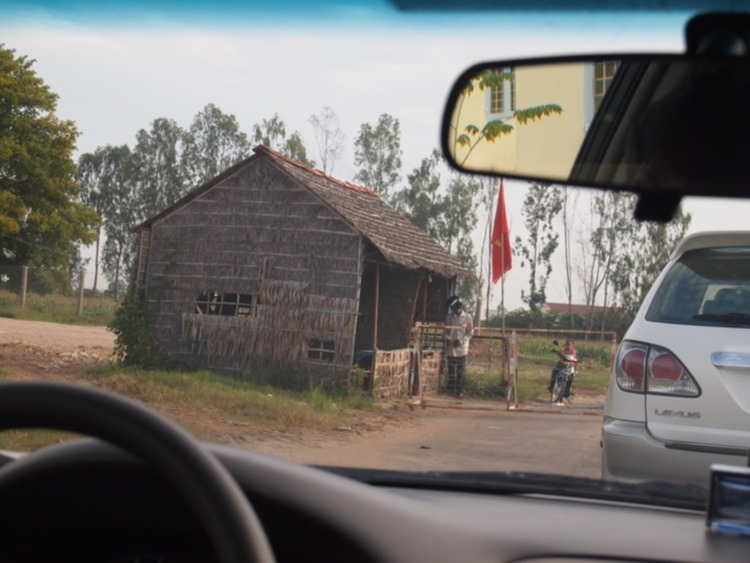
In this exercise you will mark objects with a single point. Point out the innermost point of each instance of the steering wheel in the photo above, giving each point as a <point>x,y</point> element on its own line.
<point>228,518</point>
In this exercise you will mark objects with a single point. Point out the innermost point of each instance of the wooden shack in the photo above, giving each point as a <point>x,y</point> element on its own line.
<point>273,264</point>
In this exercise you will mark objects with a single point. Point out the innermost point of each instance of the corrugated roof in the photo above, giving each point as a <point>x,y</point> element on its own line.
<point>398,239</point>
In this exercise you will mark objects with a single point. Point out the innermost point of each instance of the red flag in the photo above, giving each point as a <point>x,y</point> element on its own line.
<point>502,256</point>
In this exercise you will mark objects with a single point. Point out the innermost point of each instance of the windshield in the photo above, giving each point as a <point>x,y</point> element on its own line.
<point>274,252</point>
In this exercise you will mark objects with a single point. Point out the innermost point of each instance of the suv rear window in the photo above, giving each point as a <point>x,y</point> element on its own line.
<point>708,286</point>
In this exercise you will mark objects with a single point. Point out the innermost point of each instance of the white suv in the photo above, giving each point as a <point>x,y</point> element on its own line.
<point>679,399</point>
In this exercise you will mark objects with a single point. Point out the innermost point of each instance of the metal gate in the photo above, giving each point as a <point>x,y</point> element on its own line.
<point>489,366</point>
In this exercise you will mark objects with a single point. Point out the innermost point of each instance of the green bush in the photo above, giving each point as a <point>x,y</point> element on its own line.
<point>536,346</point>
<point>135,344</point>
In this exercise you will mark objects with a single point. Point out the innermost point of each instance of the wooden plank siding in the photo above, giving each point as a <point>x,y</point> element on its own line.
<point>144,242</point>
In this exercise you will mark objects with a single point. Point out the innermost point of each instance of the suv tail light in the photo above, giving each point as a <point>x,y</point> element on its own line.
<point>630,366</point>
<point>641,367</point>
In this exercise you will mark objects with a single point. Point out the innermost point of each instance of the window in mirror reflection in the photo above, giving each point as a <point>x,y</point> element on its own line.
<point>604,72</point>
<point>501,100</point>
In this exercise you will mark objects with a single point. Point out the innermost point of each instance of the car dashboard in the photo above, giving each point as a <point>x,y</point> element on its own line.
<point>87,501</point>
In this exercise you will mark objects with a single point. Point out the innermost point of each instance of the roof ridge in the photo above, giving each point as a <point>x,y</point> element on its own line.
<point>317,172</point>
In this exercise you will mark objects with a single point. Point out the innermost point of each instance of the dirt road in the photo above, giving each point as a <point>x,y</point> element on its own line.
<point>476,440</point>
<point>446,435</point>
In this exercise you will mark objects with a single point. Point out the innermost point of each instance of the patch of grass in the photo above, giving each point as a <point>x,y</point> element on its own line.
<point>483,385</point>
<point>97,311</point>
<point>536,361</point>
<point>193,398</point>
<point>31,440</point>
<point>196,399</point>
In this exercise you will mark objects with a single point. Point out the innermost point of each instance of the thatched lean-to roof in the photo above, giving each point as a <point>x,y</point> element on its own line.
<point>398,240</point>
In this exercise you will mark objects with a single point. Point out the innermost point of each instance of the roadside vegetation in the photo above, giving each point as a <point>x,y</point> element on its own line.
<point>52,308</point>
<point>214,407</point>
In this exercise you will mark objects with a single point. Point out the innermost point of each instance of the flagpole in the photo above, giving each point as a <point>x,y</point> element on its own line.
<point>488,300</point>
<point>502,289</point>
<point>490,272</point>
<point>490,264</point>
<point>502,282</point>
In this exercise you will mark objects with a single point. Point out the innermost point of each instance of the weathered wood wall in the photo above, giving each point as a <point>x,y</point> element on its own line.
<point>391,373</point>
<point>393,368</point>
<point>397,296</point>
<point>430,369</point>
<point>257,233</point>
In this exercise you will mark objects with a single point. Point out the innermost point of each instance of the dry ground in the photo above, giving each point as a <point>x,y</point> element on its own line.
<point>446,435</point>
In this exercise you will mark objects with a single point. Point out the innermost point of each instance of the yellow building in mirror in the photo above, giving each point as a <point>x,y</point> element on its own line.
<point>548,108</point>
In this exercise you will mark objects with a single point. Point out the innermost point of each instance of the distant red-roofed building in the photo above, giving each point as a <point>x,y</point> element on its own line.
<point>573,308</point>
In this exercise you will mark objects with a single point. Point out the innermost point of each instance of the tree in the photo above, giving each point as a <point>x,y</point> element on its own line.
<point>455,223</point>
<point>542,204</point>
<point>421,200</point>
<point>469,288</point>
<point>635,270</point>
<point>42,216</point>
<point>213,143</point>
<point>377,153</point>
<point>568,220</point>
<point>611,213</point>
<point>272,133</point>
<point>295,148</point>
<point>328,137</point>
<point>621,256</point>
<point>121,216</point>
<point>488,194</point>
<point>458,217</point>
<point>446,213</point>
<point>160,179</point>
<point>100,174</point>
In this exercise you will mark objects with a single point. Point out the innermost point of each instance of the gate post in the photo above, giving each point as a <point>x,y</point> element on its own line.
<point>80,292</point>
<point>512,400</point>
<point>24,285</point>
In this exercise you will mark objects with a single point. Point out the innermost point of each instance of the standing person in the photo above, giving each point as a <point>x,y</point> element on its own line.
<point>459,329</point>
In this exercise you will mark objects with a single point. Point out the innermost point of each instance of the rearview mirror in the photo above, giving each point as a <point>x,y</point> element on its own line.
<point>630,122</point>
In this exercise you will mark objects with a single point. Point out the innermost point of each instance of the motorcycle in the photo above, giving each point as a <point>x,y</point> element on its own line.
<point>563,374</point>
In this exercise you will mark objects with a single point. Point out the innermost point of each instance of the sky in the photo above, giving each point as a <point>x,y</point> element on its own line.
<point>118,66</point>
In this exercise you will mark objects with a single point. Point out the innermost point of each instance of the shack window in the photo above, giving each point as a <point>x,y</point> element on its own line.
<point>227,304</point>
<point>321,350</point>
